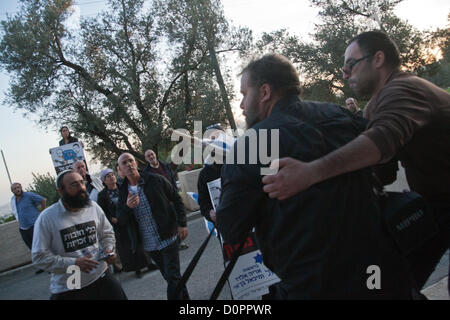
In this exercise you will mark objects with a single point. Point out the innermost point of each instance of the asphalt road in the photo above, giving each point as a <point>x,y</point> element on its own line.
<point>23,284</point>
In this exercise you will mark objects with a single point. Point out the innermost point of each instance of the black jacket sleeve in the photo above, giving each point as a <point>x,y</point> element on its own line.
<point>239,204</point>
<point>171,175</point>
<point>102,201</point>
<point>123,211</point>
<point>386,173</point>
<point>204,200</point>
<point>172,194</point>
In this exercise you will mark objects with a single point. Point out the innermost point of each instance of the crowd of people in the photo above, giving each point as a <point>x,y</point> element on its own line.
<point>318,220</point>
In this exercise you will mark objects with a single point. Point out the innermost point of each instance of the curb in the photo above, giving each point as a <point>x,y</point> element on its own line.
<point>13,272</point>
<point>193,215</point>
<point>190,216</point>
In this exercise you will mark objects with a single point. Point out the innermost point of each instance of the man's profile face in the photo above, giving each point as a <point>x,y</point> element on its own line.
<point>249,103</point>
<point>127,165</point>
<point>150,156</point>
<point>73,192</point>
<point>80,167</point>
<point>16,189</point>
<point>363,77</point>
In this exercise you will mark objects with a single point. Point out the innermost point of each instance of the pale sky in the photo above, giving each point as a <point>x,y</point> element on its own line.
<point>26,146</point>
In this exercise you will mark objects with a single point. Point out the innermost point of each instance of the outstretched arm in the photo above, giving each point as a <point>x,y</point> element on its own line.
<point>295,176</point>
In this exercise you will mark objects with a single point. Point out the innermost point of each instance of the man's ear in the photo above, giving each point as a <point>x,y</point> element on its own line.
<point>265,93</point>
<point>379,59</point>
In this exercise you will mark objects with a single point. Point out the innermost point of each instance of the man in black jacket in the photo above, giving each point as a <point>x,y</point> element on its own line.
<point>210,172</point>
<point>154,165</point>
<point>153,212</point>
<point>327,242</point>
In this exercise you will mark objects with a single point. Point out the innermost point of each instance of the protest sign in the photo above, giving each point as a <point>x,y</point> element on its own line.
<point>250,278</point>
<point>65,156</point>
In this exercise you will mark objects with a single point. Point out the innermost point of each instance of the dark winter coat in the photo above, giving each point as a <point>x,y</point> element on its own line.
<point>167,207</point>
<point>322,241</point>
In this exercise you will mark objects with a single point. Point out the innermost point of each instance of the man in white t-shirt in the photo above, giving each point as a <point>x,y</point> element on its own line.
<point>74,241</point>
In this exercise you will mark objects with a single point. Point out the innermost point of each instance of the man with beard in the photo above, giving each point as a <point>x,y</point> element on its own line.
<point>75,232</point>
<point>322,242</point>
<point>152,211</point>
<point>409,118</point>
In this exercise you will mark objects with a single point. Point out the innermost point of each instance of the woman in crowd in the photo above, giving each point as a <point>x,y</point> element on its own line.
<point>66,137</point>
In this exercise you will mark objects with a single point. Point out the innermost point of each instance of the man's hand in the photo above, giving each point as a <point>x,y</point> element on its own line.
<point>293,177</point>
<point>111,257</point>
<point>212,215</point>
<point>114,220</point>
<point>86,264</point>
<point>182,233</point>
<point>132,201</point>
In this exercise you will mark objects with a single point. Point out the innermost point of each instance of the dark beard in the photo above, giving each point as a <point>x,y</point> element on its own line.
<point>252,117</point>
<point>251,120</point>
<point>79,201</point>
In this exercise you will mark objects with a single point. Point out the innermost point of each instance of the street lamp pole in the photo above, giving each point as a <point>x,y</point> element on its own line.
<point>7,171</point>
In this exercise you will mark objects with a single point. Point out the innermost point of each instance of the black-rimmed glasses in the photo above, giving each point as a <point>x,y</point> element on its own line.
<point>348,67</point>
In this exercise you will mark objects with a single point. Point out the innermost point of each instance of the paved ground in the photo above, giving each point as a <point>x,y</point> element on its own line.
<point>23,284</point>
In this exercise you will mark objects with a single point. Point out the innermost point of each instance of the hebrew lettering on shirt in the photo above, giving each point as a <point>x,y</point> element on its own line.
<point>79,236</point>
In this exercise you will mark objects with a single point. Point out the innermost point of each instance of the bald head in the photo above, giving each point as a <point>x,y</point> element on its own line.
<point>351,104</point>
<point>128,165</point>
<point>150,157</point>
<point>80,168</point>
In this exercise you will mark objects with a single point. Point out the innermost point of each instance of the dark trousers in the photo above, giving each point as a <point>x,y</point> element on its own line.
<point>104,288</point>
<point>424,259</point>
<point>168,262</point>
<point>27,236</point>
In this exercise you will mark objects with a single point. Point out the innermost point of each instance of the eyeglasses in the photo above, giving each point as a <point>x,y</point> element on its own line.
<point>348,67</point>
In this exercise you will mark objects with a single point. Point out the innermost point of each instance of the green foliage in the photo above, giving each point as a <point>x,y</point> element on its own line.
<point>44,185</point>
<point>7,219</point>
<point>125,76</point>
<point>319,61</point>
<point>438,71</point>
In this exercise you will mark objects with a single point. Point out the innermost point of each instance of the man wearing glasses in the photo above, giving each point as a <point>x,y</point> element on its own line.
<point>409,118</point>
